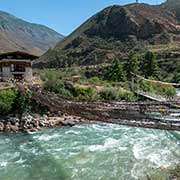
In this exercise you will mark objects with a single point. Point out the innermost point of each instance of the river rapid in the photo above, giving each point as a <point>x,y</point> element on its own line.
<point>87,152</point>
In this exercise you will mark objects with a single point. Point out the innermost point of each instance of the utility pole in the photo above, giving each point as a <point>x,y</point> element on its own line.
<point>137,1</point>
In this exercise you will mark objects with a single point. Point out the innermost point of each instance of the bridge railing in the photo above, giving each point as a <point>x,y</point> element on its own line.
<point>156,96</point>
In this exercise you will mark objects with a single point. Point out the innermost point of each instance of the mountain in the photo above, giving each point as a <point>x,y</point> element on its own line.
<point>19,35</point>
<point>113,32</point>
<point>174,5</point>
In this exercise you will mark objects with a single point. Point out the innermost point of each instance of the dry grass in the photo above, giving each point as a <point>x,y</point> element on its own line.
<point>5,86</point>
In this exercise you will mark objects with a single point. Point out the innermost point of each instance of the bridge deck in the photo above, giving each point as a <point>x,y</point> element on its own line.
<point>124,113</point>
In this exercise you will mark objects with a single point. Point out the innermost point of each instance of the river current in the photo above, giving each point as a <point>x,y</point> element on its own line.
<point>87,152</point>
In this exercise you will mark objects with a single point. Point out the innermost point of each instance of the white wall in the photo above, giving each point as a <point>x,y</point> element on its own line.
<point>6,73</point>
<point>28,74</point>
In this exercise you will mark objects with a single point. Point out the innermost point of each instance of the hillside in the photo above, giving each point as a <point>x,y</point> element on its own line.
<point>113,32</point>
<point>174,5</point>
<point>19,35</point>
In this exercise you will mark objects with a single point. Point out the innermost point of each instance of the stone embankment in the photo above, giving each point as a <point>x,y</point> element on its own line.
<point>35,122</point>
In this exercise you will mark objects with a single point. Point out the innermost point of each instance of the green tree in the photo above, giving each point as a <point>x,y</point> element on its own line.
<point>132,65</point>
<point>115,72</point>
<point>23,102</point>
<point>176,77</point>
<point>150,66</point>
<point>7,99</point>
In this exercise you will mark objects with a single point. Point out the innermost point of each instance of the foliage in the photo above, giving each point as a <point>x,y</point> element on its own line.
<point>146,86</point>
<point>158,88</point>
<point>22,102</point>
<point>132,65</point>
<point>126,95</point>
<point>85,93</point>
<point>49,78</point>
<point>7,99</point>
<point>95,80</point>
<point>150,66</point>
<point>54,83</point>
<point>114,94</point>
<point>108,95</point>
<point>115,72</point>
<point>176,78</point>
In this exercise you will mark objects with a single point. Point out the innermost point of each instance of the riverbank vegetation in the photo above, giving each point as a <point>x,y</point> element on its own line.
<point>14,101</point>
<point>7,100</point>
<point>158,88</point>
<point>116,81</point>
<point>85,89</point>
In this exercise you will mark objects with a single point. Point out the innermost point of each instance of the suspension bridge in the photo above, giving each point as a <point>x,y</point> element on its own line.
<point>138,114</point>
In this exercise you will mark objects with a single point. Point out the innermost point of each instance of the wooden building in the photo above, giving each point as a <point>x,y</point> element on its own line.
<point>16,65</point>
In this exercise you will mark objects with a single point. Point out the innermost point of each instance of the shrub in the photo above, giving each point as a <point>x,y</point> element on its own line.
<point>22,102</point>
<point>126,95</point>
<point>146,86</point>
<point>176,78</point>
<point>95,80</point>
<point>85,93</point>
<point>50,79</point>
<point>108,95</point>
<point>54,83</point>
<point>157,88</point>
<point>7,99</point>
<point>167,90</point>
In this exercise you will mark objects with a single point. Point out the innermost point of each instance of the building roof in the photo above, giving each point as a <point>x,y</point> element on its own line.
<point>17,55</point>
<point>15,60</point>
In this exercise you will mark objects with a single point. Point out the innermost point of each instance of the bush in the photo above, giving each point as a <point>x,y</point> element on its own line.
<point>114,94</point>
<point>158,88</point>
<point>126,95</point>
<point>54,83</point>
<point>95,80</point>
<point>146,86</point>
<point>22,102</point>
<point>7,99</point>
<point>108,95</point>
<point>85,93</point>
<point>168,90</point>
<point>50,79</point>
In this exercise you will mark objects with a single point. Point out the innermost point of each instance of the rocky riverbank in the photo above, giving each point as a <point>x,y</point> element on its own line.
<point>35,122</point>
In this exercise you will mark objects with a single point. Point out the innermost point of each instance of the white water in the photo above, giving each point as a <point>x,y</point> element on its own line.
<point>87,152</point>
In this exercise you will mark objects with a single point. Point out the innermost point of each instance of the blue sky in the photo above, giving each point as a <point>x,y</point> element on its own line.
<point>61,15</point>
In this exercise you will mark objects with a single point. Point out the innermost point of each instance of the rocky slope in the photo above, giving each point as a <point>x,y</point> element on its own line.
<point>114,31</point>
<point>174,5</point>
<point>19,35</point>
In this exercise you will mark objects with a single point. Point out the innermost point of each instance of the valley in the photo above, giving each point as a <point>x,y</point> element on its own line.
<point>100,103</point>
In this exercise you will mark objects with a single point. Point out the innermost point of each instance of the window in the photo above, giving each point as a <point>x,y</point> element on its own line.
<point>18,68</point>
<point>12,67</point>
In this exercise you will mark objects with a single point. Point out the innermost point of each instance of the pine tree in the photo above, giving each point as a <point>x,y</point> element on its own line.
<point>115,72</point>
<point>132,65</point>
<point>150,66</point>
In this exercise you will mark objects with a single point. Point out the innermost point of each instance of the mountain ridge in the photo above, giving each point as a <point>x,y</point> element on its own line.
<point>114,31</point>
<point>19,35</point>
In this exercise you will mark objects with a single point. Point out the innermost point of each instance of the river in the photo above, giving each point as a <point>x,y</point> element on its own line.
<point>87,152</point>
